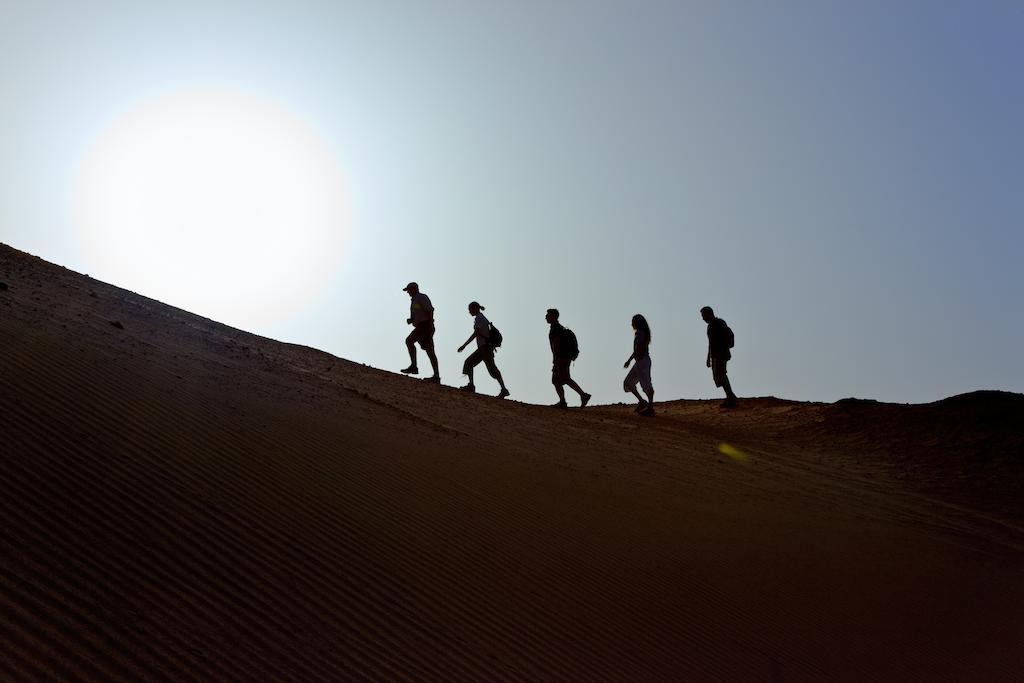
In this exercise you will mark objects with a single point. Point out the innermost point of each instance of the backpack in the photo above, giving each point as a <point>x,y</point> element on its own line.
<point>728,336</point>
<point>570,347</point>
<point>494,338</point>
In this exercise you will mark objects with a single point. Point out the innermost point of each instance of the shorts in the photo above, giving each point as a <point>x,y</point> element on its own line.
<point>639,373</point>
<point>423,334</point>
<point>560,371</point>
<point>484,354</point>
<point>718,371</point>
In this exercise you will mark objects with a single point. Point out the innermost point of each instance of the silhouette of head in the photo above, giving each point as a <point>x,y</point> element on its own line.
<point>412,288</point>
<point>707,314</point>
<point>640,324</point>
<point>552,316</point>
<point>475,308</point>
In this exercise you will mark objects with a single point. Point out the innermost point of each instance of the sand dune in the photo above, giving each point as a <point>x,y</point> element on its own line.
<point>185,501</point>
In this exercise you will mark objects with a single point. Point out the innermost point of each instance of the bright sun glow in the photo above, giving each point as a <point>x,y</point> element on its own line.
<point>219,202</point>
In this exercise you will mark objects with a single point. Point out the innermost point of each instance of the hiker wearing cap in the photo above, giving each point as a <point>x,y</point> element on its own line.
<point>421,317</point>
<point>484,350</point>
<point>720,340</point>
<point>640,373</point>
<point>564,350</point>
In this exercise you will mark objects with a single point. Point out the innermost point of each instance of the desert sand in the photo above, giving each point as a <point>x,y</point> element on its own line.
<point>185,501</point>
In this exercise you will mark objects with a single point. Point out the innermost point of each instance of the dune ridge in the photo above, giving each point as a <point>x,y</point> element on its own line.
<point>186,501</point>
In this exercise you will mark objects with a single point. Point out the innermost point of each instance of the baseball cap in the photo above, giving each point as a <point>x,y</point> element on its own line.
<point>411,285</point>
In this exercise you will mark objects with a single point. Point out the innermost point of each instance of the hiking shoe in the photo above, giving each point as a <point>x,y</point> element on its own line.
<point>433,379</point>
<point>641,407</point>
<point>411,370</point>
<point>503,393</point>
<point>728,403</point>
<point>469,387</point>
<point>561,404</point>
<point>648,411</point>
<point>584,400</point>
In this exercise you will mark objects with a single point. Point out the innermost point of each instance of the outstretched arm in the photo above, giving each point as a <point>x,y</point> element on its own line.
<point>471,338</point>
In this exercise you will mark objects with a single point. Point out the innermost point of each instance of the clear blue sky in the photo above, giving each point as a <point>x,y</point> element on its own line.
<point>843,182</point>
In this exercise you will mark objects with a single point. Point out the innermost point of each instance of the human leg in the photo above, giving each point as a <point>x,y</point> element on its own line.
<point>644,376</point>
<point>426,339</point>
<point>493,370</point>
<point>558,380</point>
<point>631,380</point>
<point>730,397</point>
<point>584,396</point>
<point>720,372</point>
<point>471,362</point>
<point>410,344</point>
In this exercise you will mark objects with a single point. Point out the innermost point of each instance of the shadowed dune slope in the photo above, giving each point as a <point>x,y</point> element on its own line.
<point>184,501</point>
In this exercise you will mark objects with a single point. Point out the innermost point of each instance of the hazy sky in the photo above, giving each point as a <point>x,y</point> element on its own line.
<point>842,182</point>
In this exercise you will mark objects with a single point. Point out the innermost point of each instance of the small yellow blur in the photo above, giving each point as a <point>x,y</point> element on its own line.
<point>733,452</point>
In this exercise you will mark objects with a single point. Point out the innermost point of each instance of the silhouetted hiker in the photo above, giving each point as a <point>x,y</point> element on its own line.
<point>641,370</point>
<point>421,317</point>
<point>720,340</point>
<point>484,350</point>
<point>564,350</point>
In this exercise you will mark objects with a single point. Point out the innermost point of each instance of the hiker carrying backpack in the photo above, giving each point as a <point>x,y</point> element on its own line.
<point>721,340</point>
<point>487,338</point>
<point>564,350</point>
